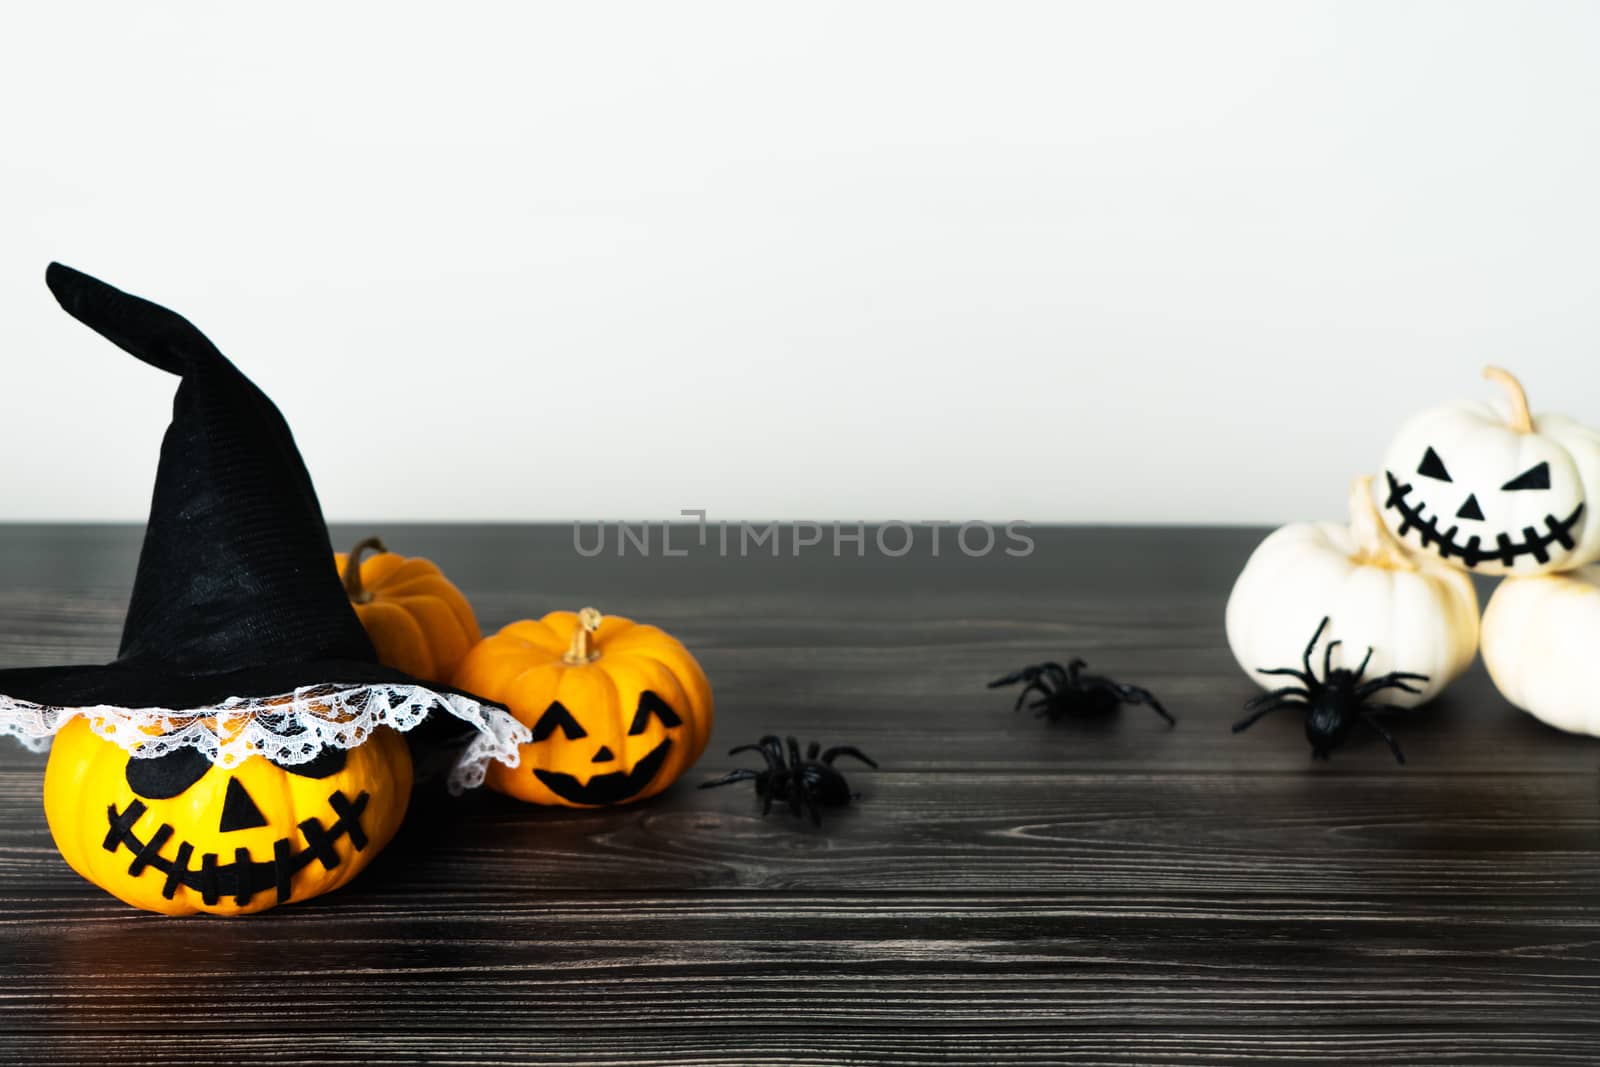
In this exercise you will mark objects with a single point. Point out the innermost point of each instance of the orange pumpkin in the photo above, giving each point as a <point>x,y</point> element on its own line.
<point>418,621</point>
<point>618,710</point>
<point>177,834</point>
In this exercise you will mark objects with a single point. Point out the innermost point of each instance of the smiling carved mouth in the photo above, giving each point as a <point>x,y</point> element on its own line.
<point>1505,550</point>
<point>244,877</point>
<point>609,788</point>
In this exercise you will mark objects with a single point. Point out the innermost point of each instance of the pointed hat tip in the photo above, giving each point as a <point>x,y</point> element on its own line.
<point>61,278</point>
<point>159,336</point>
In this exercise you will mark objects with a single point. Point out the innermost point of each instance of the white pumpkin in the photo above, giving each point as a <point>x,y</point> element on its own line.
<point>1415,614</point>
<point>1495,492</point>
<point>1541,643</point>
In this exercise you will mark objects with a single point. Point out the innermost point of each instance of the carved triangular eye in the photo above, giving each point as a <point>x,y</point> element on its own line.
<point>651,704</point>
<point>556,715</point>
<point>1535,477</point>
<point>1433,467</point>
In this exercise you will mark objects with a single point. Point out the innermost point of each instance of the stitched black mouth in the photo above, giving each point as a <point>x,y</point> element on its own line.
<point>1534,543</point>
<point>607,788</point>
<point>244,877</point>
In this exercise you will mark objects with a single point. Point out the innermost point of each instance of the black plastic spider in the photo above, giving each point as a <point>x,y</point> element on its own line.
<point>1065,691</point>
<point>812,781</point>
<point>1333,705</point>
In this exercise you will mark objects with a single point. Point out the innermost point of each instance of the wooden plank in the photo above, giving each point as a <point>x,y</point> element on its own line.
<point>1008,891</point>
<point>824,1046</point>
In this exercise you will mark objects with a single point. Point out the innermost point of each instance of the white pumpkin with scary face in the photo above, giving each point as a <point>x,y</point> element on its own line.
<point>1540,636</point>
<point>1495,493</point>
<point>1414,613</point>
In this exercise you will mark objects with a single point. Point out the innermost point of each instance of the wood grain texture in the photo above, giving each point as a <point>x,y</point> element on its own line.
<point>1006,891</point>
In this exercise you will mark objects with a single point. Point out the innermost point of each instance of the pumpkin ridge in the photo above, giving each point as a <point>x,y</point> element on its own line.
<point>679,698</point>
<point>620,709</point>
<point>640,634</point>
<point>678,672</point>
<point>376,569</point>
<point>400,637</point>
<point>522,676</point>
<point>440,617</point>
<point>434,584</point>
<point>412,569</point>
<point>540,634</point>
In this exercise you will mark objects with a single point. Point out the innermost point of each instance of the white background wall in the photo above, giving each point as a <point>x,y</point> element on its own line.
<point>1084,262</point>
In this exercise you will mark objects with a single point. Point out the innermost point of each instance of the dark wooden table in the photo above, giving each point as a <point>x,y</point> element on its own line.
<point>1006,892</point>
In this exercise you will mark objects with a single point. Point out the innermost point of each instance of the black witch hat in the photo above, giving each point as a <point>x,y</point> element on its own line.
<point>237,609</point>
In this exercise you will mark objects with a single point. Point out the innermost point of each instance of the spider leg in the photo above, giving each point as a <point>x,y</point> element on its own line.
<point>1132,694</point>
<point>811,804</point>
<point>1304,678</point>
<point>1268,698</point>
<point>1053,676</point>
<point>766,753</point>
<point>797,780</point>
<point>1050,678</point>
<point>1400,757</point>
<point>741,775</point>
<point>813,749</point>
<point>1364,661</point>
<point>1034,678</point>
<point>1074,668</point>
<point>1010,679</point>
<point>760,746</point>
<point>766,801</point>
<point>1030,687</point>
<point>1395,680</point>
<point>1321,626</point>
<point>1327,656</point>
<point>1031,675</point>
<point>1251,720</point>
<point>1045,709</point>
<point>848,750</point>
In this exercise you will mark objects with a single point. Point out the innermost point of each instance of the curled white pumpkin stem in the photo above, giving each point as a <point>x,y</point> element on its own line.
<point>358,593</point>
<point>1521,417</point>
<point>1374,546</point>
<point>582,649</point>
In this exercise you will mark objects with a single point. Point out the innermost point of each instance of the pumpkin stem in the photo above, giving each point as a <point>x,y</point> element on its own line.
<point>1374,546</point>
<point>1521,418</point>
<point>358,593</point>
<point>582,651</point>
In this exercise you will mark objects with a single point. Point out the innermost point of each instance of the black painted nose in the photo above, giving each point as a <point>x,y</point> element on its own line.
<point>603,756</point>
<point>239,812</point>
<point>1470,509</point>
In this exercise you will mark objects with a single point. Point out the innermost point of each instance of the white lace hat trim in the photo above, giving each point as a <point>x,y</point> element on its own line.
<point>287,728</point>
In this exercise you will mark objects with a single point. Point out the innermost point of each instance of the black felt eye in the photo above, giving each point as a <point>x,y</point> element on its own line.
<point>164,777</point>
<point>1535,477</point>
<point>329,761</point>
<point>650,704</point>
<point>556,715</point>
<point>1433,467</point>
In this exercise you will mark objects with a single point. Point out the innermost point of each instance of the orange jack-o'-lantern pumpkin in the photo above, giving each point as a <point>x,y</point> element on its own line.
<point>176,834</point>
<point>618,710</point>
